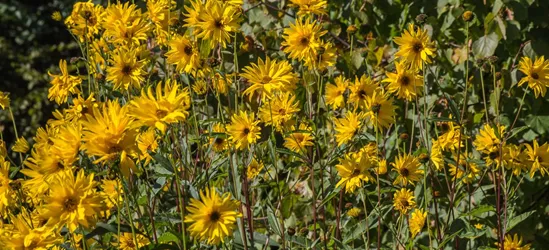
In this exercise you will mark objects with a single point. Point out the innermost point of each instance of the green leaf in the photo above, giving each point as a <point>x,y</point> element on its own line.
<point>538,123</point>
<point>168,237</point>
<point>486,45</point>
<point>479,211</point>
<point>518,219</point>
<point>357,59</point>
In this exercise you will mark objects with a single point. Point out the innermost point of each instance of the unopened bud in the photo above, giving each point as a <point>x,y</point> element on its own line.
<point>420,19</point>
<point>468,16</point>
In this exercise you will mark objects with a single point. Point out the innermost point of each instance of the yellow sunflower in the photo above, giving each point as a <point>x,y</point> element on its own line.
<point>354,171</point>
<point>299,139</point>
<point>515,158</point>
<point>21,145</point>
<point>219,142</point>
<point>85,19</point>
<point>126,70</point>
<point>309,7</point>
<point>417,221</point>
<point>537,74</point>
<point>403,200</point>
<point>279,111</point>
<point>147,141</point>
<point>362,88</point>
<point>415,47</point>
<point>513,243</point>
<point>184,54</point>
<point>347,127</point>
<point>407,167</point>
<point>127,242</point>
<point>405,84</point>
<point>7,194</point>
<point>269,76</point>
<point>487,142</point>
<point>213,217</point>
<point>538,158</point>
<point>125,24</point>
<point>254,168</point>
<point>217,21</point>
<point>302,40</point>
<point>335,92</point>
<point>168,104</point>
<point>243,130</point>
<point>73,201</point>
<point>4,100</point>
<point>63,85</point>
<point>381,110</point>
<point>466,170</point>
<point>23,234</point>
<point>326,57</point>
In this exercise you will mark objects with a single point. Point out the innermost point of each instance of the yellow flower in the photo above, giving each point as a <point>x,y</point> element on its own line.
<point>22,234</point>
<point>415,47</point>
<point>127,241</point>
<point>335,92</point>
<point>381,110</point>
<point>515,158</point>
<point>479,226</point>
<point>184,54</point>
<point>243,130</point>
<point>254,168</point>
<point>168,104</point>
<point>405,84</point>
<point>222,83</point>
<point>417,221</point>
<point>56,16</point>
<point>309,7</point>
<point>7,195</point>
<point>403,200</point>
<point>381,167</point>
<point>362,88</point>
<point>126,70</point>
<point>302,40</point>
<point>269,76</point>
<point>159,13</point>
<point>200,87</point>
<point>219,142</point>
<point>63,85</point>
<point>326,57</point>
<point>66,143</point>
<point>354,212</point>
<point>80,107</point>
<point>537,74</point>
<point>217,21</point>
<point>449,140</point>
<point>487,142</point>
<point>124,24</point>
<point>4,100</point>
<point>538,158</point>
<point>85,19</point>
<point>299,139</point>
<point>112,194</point>
<point>213,217</point>
<point>279,110</point>
<point>466,170</point>
<point>347,127</point>
<point>513,243</point>
<point>353,170</point>
<point>407,167</point>
<point>41,168</point>
<point>108,134</point>
<point>436,155</point>
<point>73,201</point>
<point>147,142</point>
<point>21,145</point>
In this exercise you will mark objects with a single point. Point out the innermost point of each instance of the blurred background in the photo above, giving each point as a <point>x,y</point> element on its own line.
<point>31,44</point>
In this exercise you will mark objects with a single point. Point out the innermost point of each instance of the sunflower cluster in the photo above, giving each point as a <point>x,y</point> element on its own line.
<point>180,127</point>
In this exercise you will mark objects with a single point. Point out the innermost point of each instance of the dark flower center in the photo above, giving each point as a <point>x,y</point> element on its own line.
<point>356,172</point>
<point>188,50</point>
<point>493,155</point>
<point>161,113</point>
<point>535,76</point>
<point>404,80</point>
<point>126,70</point>
<point>282,111</point>
<point>219,140</point>
<point>130,244</point>
<point>304,41</point>
<point>404,202</point>
<point>215,216</point>
<point>218,23</point>
<point>70,204</point>
<point>417,47</point>
<point>266,79</point>
<point>404,172</point>
<point>246,131</point>
<point>362,94</point>
<point>86,14</point>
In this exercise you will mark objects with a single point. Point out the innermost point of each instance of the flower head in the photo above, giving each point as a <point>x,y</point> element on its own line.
<point>403,200</point>
<point>407,167</point>
<point>63,85</point>
<point>537,74</point>
<point>415,47</point>
<point>184,54</point>
<point>213,217</point>
<point>354,171</point>
<point>405,84</point>
<point>126,69</point>
<point>347,126</point>
<point>302,40</point>
<point>335,92</point>
<point>269,76</point>
<point>243,130</point>
<point>279,110</point>
<point>513,243</point>
<point>417,221</point>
